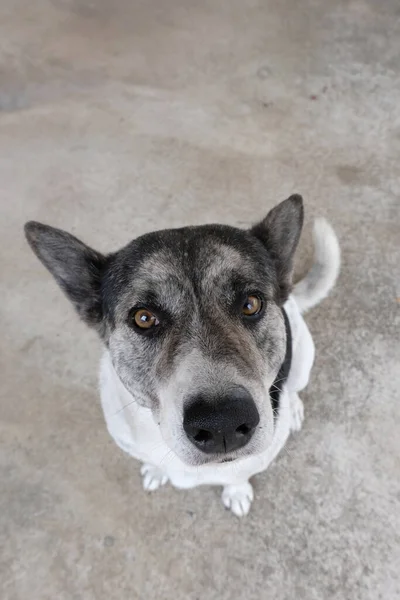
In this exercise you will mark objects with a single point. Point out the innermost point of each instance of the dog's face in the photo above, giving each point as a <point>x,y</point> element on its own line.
<point>193,323</point>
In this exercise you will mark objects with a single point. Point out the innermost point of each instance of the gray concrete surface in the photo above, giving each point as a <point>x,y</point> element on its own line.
<point>121,117</point>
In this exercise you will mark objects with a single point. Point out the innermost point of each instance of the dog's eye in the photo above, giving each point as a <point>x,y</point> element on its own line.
<point>252,306</point>
<point>145,319</point>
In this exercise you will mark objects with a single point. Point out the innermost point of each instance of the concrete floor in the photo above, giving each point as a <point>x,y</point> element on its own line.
<point>121,117</point>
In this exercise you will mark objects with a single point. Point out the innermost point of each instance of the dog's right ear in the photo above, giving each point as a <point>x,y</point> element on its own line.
<point>280,232</point>
<point>76,268</point>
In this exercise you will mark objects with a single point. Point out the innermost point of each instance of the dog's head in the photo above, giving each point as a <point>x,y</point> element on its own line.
<point>193,323</point>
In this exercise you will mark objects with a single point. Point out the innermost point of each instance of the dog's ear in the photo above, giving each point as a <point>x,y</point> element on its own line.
<point>76,268</point>
<point>280,233</point>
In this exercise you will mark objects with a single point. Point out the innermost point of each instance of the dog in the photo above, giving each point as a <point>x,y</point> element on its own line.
<point>206,349</point>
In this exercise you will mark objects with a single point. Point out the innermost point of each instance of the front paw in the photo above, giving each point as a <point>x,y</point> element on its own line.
<point>238,498</point>
<point>296,412</point>
<point>153,477</point>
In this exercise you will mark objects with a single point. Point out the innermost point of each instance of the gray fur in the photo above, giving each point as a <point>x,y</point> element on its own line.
<point>194,278</point>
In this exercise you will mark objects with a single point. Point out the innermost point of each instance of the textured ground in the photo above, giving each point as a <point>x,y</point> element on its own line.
<point>120,117</point>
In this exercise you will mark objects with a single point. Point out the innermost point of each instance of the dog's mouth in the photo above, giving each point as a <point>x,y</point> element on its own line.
<point>218,460</point>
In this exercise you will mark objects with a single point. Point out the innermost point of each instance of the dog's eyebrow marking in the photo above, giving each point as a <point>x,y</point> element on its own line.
<point>224,258</point>
<point>230,269</point>
<point>221,264</point>
<point>159,282</point>
<point>159,266</point>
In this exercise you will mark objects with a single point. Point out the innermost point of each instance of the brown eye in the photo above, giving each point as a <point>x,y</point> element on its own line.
<point>252,306</point>
<point>145,319</point>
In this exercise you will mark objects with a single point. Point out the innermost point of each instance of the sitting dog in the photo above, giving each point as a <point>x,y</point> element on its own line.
<point>205,346</point>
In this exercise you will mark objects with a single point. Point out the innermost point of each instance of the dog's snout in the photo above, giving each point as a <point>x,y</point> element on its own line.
<point>221,424</point>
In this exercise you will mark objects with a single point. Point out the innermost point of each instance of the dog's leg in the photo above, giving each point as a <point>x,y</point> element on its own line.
<point>238,498</point>
<point>153,477</point>
<point>296,412</point>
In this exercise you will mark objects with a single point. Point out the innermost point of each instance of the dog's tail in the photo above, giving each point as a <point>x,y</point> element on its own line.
<point>322,276</point>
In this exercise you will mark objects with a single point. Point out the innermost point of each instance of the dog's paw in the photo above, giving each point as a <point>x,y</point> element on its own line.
<point>153,477</point>
<point>238,498</point>
<point>296,412</point>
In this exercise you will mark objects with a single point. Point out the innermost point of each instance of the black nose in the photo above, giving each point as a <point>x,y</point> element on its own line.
<point>221,424</point>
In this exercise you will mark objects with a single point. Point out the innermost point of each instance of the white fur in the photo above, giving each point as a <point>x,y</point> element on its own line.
<point>135,431</point>
<point>321,278</point>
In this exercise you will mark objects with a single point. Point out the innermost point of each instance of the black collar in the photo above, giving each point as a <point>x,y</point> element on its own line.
<point>280,379</point>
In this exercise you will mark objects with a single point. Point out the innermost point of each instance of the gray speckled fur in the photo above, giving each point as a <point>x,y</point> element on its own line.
<point>196,279</point>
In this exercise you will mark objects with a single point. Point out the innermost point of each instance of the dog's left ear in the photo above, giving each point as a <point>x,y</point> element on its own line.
<point>280,233</point>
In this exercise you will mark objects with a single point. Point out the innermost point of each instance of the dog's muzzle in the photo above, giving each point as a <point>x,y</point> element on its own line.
<point>222,424</point>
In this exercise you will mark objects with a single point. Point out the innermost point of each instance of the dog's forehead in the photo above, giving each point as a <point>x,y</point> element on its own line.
<point>201,259</point>
<point>205,260</point>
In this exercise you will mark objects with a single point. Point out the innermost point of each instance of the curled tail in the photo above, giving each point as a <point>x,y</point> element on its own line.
<point>322,276</point>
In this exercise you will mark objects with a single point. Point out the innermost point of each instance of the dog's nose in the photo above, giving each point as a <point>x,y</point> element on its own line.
<point>221,424</point>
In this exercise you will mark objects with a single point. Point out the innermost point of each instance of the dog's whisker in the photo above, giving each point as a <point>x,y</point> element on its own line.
<point>161,443</point>
<point>157,446</point>
<point>281,379</point>
<point>274,384</point>
<point>166,456</point>
<point>286,450</point>
<point>124,407</point>
<point>277,388</point>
